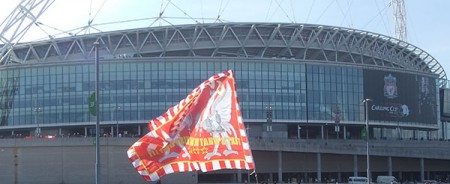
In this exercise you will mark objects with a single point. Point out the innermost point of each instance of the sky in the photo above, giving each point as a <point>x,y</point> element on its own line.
<point>427,22</point>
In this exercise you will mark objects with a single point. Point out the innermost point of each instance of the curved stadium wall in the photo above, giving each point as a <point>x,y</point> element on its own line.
<point>307,74</point>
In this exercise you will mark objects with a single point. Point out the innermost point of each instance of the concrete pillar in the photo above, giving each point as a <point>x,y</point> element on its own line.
<point>345,132</point>
<point>319,167</point>
<point>112,131</point>
<point>280,167</point>
<point>12,133</point>
<point>339,179</point>
<point>307,133</point>
<point>85,131</point>
<point>305,178</point>
<point>139,130</point>
<point>422,169</point>
<point>321,131</point>
<point>355,165</point>
<point>234,177</point>
<point>239,176</point>
<point>390,166</point>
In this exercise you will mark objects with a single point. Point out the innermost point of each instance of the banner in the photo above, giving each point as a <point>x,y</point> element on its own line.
<point>204,132</point>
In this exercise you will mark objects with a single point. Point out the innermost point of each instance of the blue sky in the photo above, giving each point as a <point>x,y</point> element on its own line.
<point>428,22</point>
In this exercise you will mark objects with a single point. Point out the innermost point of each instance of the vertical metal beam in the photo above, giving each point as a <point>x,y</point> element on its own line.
<point>239,176</point>
<point>139,130</point>
<point>422,169</point>
<point>390,166</point>
<point>355,165</point>
<point>280,167</point>
<point>366,102</point>
<point>400,19</point>
<point>97,124</point>
<point>319,168</point>
<point>321,132</point>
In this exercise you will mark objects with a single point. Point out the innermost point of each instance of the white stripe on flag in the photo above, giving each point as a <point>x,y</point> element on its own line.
<point>151,147</point>
<point>143,173</point>
<point>137,144</point>
<point>181,166</point>
<point>152,134</point>
<point>228,164</point>
<point>195,166</point>
<point>242,132</point>
<point>153,125</point>
<point>248,159</point>
<point>136,163</point>
<point>161,119</point>
<point>239,119</point>
<point>169,114</point>
<point>245,146</point>
<point>165,135</point>
<point>168,169</point>
<point>131,153</point>
<point>246,166</point>
<point>175,109</point>
<point>189,167</point>
<point>203,166</point>
<point>216,165</point>
<point>238,164</point>
<point>154,177</point>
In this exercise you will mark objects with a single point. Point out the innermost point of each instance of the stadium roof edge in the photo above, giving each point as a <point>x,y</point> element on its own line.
<point>400,54</point>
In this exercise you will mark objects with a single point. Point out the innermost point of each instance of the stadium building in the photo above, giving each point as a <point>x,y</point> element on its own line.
<point>301,88</point>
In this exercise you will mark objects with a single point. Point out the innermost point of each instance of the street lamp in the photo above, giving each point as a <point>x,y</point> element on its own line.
<point>366,102</point>
<point>117,108</point>
<point>37,110</point>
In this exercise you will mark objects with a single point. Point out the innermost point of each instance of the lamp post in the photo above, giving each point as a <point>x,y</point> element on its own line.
<point>366,102</point>
<point>37,110</point>
<point>97,112</point>
<point>117,108</point>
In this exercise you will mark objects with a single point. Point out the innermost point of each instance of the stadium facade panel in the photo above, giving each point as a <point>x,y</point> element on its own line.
<point>310,76</point>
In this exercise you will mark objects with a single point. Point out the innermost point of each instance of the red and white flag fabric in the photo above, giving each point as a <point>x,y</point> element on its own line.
<point>204,132</point>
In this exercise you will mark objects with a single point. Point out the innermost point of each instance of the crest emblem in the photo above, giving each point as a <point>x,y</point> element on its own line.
<point>390,87</point>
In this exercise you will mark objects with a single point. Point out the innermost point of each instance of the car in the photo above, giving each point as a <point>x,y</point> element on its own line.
<point>357,180</point>
<point>386,180</point>
<point>430,182</point>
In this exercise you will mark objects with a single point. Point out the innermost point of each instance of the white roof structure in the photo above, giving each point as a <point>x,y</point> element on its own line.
<point>308,42</point>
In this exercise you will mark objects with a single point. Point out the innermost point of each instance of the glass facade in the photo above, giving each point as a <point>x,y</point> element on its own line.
<point>144,89</point>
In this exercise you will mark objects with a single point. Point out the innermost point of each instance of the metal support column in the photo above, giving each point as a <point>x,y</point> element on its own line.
<point>97,113</point>
<point>355,165</point>
<point>319,168</point>
<point>345,133</point>
<point>422,169</point>
<point>390,166</point>
<point>321,132</point>
<point>280,167</point>
<point>339,179</point>
<point>139,130</point>
<point>239,176</point>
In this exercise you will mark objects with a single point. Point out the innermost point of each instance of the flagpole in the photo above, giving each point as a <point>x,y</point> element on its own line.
<point>97,124</point>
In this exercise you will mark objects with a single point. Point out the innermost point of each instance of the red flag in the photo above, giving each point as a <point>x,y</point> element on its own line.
<point>203,132</point>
